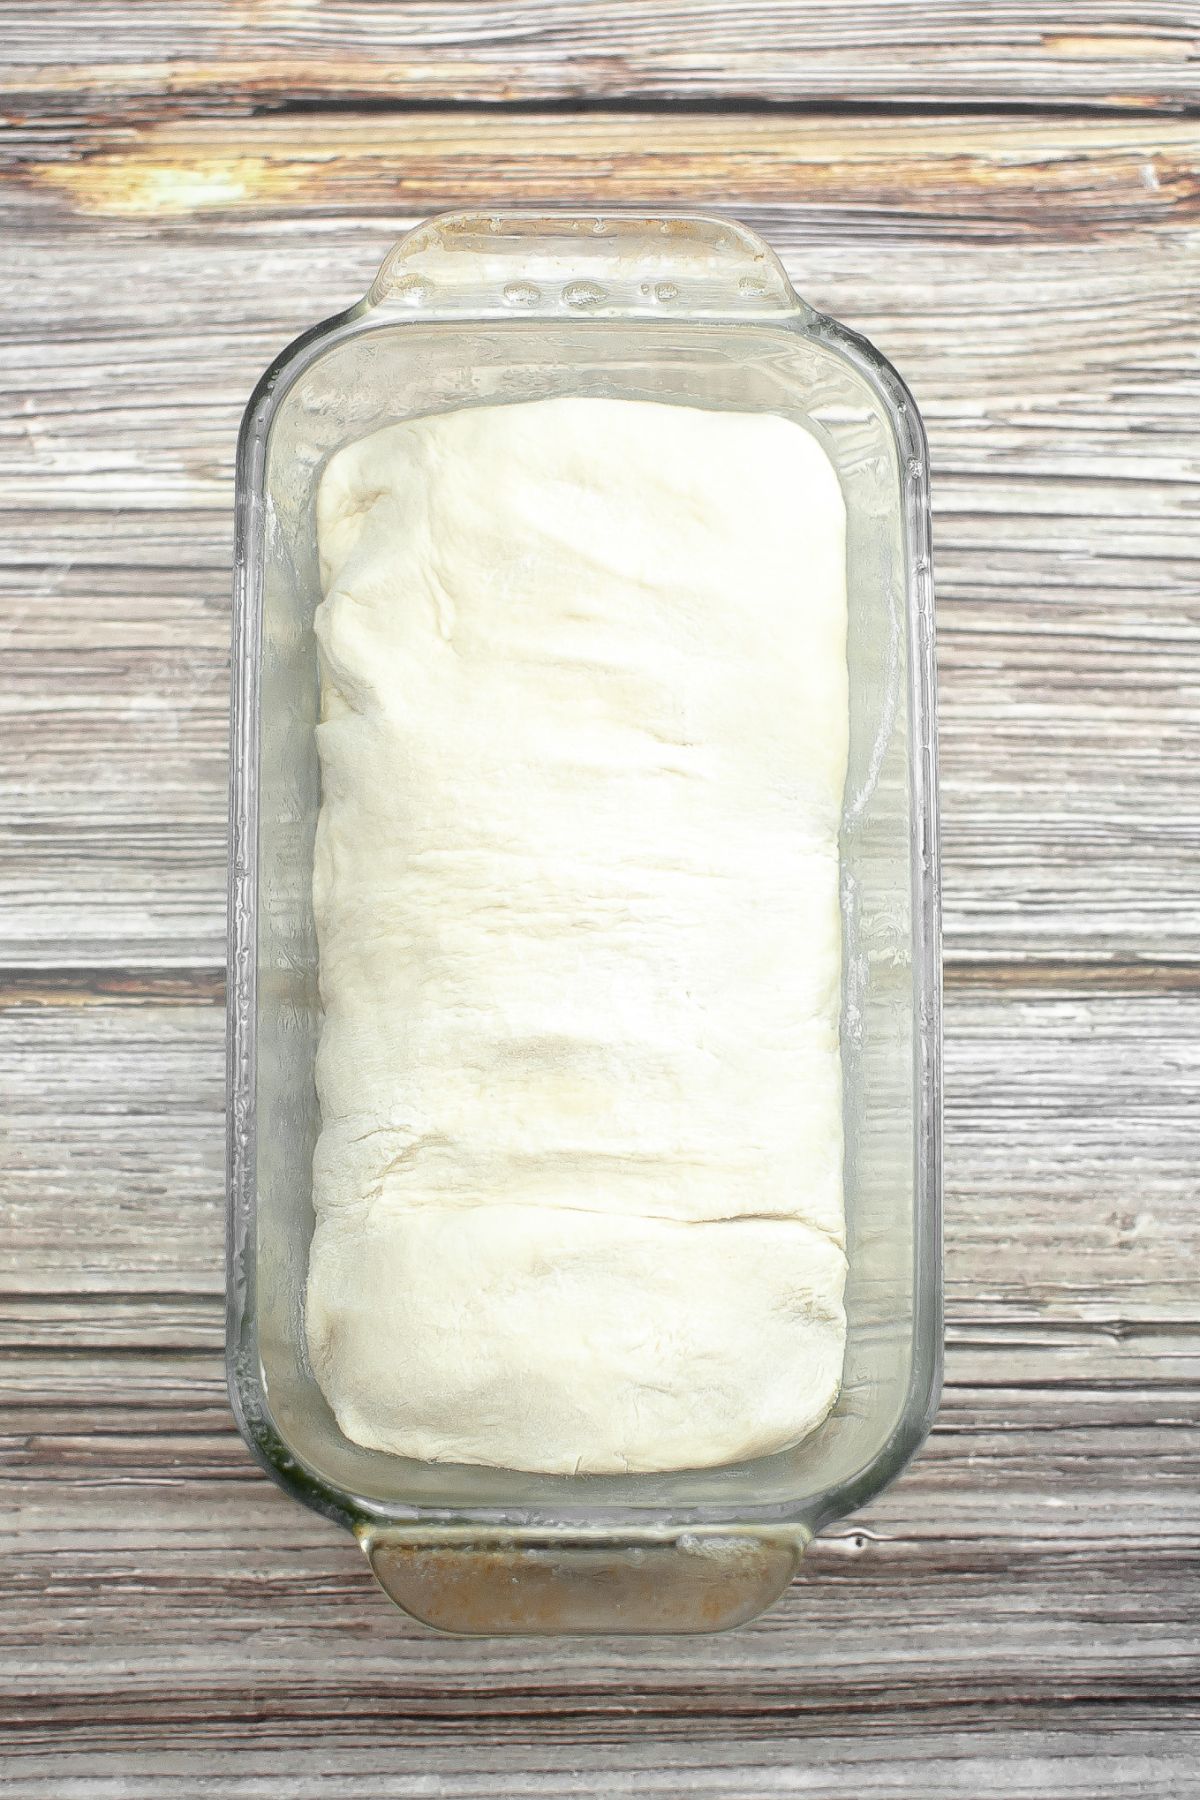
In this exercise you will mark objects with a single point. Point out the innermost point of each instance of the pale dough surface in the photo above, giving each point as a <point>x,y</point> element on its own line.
<point>584,727</point>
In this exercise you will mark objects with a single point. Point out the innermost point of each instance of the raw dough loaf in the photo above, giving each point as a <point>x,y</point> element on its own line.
<point>578,1187</point>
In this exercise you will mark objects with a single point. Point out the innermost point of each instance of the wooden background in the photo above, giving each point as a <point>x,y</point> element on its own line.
<point>1006,198</point>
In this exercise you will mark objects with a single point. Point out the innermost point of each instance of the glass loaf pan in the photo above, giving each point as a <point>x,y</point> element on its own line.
<point>467,309</point>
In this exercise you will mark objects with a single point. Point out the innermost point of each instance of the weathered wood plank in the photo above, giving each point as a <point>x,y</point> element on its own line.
<point>1057,1532</point>
<point>1070,1173</point>
<point>1058,1529</point>
<point>205,55</point>
<point>113,857</point>
<point>1055,1524</point>
<point>1066,732</point>
<point>985,1348</point>
<point>1071,1751</point>
<point>1055,1471</point>
<point>125,1105</point>
<point>995,177</point>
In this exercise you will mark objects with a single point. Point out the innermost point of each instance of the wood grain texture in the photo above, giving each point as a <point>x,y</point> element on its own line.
<point>1058,373</point>
<point>990,176</point>
<point>1018,1616</point>
<point>237,54</point>
<point>1110,1750</point>
<point>967,1599</point>
<point>115,1112</point>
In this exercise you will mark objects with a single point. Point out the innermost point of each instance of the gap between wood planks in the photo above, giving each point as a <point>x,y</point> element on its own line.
<point>204,985</point>
<point>697,106</point>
